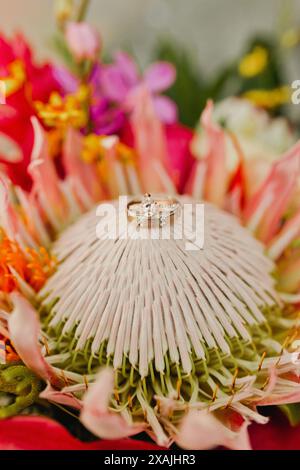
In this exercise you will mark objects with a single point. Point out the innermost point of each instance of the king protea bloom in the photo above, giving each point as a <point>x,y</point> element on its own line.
<point>141,335</point>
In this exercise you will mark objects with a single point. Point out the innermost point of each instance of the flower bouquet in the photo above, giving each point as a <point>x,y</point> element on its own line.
<point>116,342</point>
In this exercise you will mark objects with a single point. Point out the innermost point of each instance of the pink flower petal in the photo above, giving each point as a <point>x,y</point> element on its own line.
<point>8,216</point>
<point>96,416</point>
<point>165,109</point>
<point>83,40</point>
<point>216,175</point>
<point>287,234</point>
<point>10,151</point>
<point>160,76</point>
<point>150,144</point>
<point>200,430</point>
<point>24,330</point>
<point>68,82</point>
<point>114,86</point>
<point>181,161</point>
<point>43,172</point>
<point>83,176</point>
<point>128,68</point>
<point>62,398</point>
<point>275,194</point>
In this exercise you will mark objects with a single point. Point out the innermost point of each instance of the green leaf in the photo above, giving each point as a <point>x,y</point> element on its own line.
<point>292,412</point>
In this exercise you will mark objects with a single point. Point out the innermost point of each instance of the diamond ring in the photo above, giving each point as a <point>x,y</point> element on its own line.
<point>151,208</point>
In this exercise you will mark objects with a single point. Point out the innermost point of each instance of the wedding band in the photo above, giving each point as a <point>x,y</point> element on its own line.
<point>153,208</point>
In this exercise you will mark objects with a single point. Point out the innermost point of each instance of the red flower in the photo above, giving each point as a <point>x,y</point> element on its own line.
<point>25,83</point>
<point>33,433</point>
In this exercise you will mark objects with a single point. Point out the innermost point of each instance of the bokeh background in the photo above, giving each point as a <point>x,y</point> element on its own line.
<point>211,34</point>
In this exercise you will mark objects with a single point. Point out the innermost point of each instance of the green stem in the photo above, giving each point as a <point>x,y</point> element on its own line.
<point>82,10</point>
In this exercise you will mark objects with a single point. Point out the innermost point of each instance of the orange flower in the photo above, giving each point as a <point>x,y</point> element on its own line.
<point>34,267</point>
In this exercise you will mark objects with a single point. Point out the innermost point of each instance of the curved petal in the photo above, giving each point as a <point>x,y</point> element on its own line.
<point>24,330</point>
<point>288,233</point>
<point>62,398</point>
<point>216,173</point>
<point>150,144</point>
<point>114,85</point>
<point>128,68</point>
<point>10,151</point>
<point>200,430</point>
<point>165,109</point>
<point>160,76</point>
<point>276,192</point>
<point>84,176</point>
<point>96,416</point>
<point>45,178</point>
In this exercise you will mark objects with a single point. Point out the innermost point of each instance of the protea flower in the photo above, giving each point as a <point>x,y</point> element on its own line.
<point>188,344</point>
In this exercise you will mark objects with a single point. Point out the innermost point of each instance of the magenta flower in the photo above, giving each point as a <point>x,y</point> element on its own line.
<point>83,40</point>
<point>120,81</point>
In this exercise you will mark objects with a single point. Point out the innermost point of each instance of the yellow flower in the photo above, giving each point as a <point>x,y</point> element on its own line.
<point>63,111</point>
<point>92,150</point>
<point>95,149</point>
<point>269,98</point>
<point>254,63</point>
<point>15,79</point>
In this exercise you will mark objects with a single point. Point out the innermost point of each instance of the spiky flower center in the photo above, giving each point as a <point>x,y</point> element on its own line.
<point>197,326</point>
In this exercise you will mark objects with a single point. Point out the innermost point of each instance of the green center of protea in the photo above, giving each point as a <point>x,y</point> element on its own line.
<point>194,326</point>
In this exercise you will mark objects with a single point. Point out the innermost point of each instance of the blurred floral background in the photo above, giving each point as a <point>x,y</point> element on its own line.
<point>220,48</point>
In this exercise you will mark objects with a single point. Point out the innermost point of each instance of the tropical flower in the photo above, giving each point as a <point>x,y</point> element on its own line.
<point>185,341</point>
<point>121,81</point>
<point>250,134</point>
<point>24,82</point>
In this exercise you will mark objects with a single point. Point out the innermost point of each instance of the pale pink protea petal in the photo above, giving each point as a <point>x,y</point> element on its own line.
<point>84,176</point>
<point>8,216</point>
<point>24,330</point>
<point>96,416</point>
<point>266,208</point>
<point>10,151</point>
<point>117,183</point>
<point>216,176</point>
<point>10,220</point>
<point>196,181</point>
<point>285,237</point>
<point>61,398</point>
<point>45,179</point>
<point>201,430</point>
<point>281,399</point>
<point>160,76</point>
<point>150,144</point>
